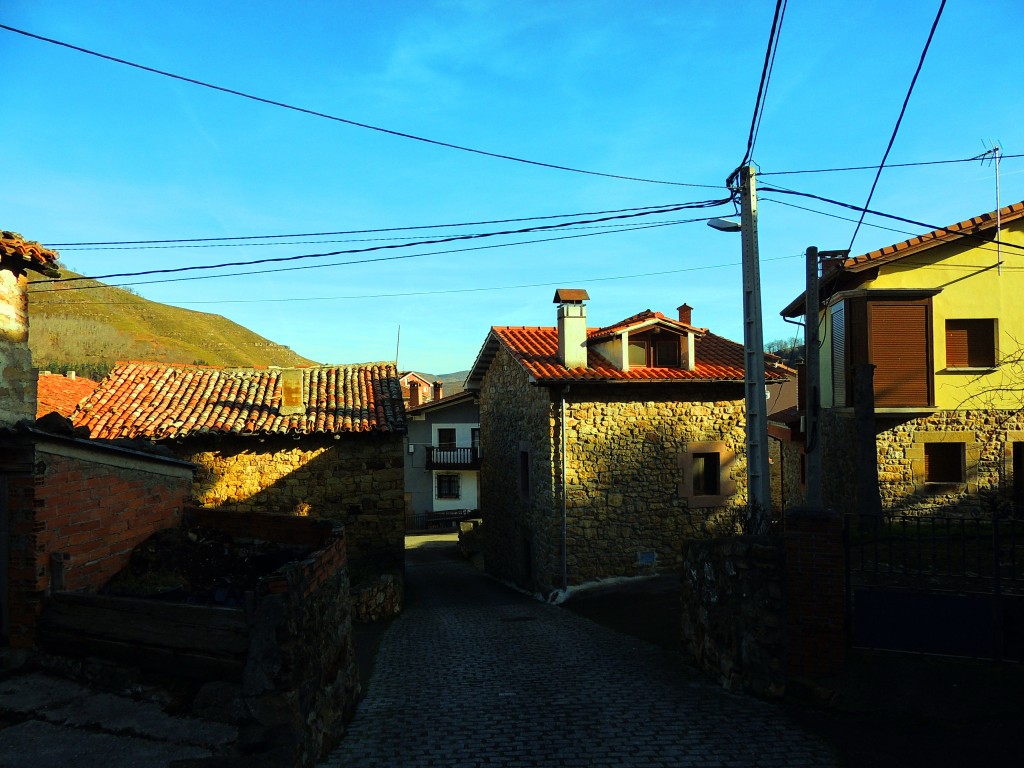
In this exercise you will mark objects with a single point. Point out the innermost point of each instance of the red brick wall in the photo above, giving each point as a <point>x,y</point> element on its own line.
<point>91,512</point>
<point>815,593</point>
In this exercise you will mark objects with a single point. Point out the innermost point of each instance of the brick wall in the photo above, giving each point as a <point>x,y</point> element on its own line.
<point>357,480</point>
<point>815,593</point>
<point>75,516</point>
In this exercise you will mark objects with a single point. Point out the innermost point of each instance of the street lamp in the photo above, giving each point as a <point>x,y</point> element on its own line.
<point>759,499</point>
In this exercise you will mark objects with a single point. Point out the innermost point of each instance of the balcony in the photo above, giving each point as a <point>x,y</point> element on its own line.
<point>453,458</point>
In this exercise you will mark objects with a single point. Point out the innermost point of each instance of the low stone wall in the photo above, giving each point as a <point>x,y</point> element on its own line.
<point>733,611</point>
<point>377,599</point>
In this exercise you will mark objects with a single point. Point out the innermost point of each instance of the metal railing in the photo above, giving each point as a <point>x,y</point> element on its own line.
<point>453,458</point>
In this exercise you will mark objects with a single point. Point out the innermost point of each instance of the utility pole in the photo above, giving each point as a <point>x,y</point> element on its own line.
<point>812,402</point>
<point>759,497</point>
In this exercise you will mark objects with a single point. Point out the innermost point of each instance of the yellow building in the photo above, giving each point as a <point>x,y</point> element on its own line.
<point>941,319</point>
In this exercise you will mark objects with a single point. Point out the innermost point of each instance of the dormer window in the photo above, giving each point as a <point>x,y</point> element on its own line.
<point>654,353</point>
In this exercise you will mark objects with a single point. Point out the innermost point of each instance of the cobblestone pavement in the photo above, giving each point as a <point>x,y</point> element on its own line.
<point>475,674</point>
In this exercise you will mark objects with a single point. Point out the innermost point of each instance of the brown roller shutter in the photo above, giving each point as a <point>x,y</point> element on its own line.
<point>900,352</point>
<point>970,344</point>
<point>838,327</point>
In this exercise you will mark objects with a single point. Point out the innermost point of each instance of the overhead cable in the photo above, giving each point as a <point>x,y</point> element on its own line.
<point>335,118</point>
<point>899,120</point>
<point>888,166</point>
<point>359,231</point>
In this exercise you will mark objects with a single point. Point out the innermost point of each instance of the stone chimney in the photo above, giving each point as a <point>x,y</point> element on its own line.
<point>438,390</point>
<point>18,383</point>
<point>292,399</point>
<point>686,314</point>
<point>414,394</point>
<point>688,359</point>
<point>572,327</point>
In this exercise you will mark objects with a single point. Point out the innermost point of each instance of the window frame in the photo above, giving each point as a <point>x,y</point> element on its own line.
<point>979,339</point>
<point>726,486</point>
<point>451,479</point>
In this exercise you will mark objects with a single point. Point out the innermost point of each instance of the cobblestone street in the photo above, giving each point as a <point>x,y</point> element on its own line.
<point>473,673</point>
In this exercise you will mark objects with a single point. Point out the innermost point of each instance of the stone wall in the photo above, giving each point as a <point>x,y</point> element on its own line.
<point>18,379</point>
<point>733,611</point>
<point>520,535</point>
<point>626,446</point>
<point>356,479</point>
<point>377,599</point>
<point>987,436</point>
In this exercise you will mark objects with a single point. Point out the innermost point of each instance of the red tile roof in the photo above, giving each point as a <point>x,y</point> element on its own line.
<point>935,237</point>
<point>61,394</point>
<point>37,257</point>
<point>536,349</point>
<point>646,317</point>
<point>165,402</point>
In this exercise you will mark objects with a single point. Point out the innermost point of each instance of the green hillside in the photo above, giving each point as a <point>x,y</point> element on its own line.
<point>89,330</point>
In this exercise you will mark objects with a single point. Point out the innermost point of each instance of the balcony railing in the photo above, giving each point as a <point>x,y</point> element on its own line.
<point>453,458</point>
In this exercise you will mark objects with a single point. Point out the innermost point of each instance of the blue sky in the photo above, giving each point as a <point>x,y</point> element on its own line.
<point>98,151</point>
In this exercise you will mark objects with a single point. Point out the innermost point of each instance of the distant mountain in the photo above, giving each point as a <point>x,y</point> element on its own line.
<point>89,330</point>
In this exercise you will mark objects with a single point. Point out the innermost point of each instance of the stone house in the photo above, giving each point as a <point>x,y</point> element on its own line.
<point>71,510</point>
<point>442,460</point>
<point>323,441</point>
<point>605,449</point>
<point>940,318</point>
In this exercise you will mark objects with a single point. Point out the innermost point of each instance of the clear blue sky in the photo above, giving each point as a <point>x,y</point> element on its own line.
<point>98,151</point>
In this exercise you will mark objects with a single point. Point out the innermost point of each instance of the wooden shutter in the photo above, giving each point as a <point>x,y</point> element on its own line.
<point>899,349</point>
<point>970,344</point>
<point>839,368</point>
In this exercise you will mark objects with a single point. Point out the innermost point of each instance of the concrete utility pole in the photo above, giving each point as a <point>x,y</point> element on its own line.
<point>759,497</point>
<point>812,401</point>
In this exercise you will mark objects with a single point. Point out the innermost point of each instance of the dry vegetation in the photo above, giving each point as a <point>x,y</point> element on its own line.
<point>89,331</point>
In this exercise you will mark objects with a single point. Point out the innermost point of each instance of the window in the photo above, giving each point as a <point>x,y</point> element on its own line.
<point>706,473</point>
<point>524,473</point>
<point>666,354</point>
<point>944,463</point>
<point>447,486</point>
<point>706,469</point>
<point>446,438</point>
<point>971,343</point>
<point>475,438</point>
<point>637,353</point>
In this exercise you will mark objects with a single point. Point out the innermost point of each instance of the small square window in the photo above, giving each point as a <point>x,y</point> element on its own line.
<point>944,463</point>
<point>706,469</point>
<point>666,354</point>
<point>971,343</point>
<point>638,353</point>
<point>447,486</point>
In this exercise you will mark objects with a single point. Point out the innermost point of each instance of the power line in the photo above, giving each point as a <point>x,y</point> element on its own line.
<point>861,209</point>
<point>447,291</point>
<point>353,262</point>
<point>899,120</point>
<point>762,87</point>
<point>875,167</point>
<point>346,121</point>
<point>83,246</point>
<point>453,238</point>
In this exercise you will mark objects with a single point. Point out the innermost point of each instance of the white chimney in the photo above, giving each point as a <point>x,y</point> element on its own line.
<point>572,327</point>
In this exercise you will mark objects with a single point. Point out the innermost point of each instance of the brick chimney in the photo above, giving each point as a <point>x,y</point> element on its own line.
<point>572,327</point>
<point>414,394</point>
<point>689,356</point>
<point>686,314</point>
<point>18,384</point>
<point>438,390</point>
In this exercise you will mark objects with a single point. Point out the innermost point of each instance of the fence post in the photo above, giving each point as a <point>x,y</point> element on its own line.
<point>815,592</point>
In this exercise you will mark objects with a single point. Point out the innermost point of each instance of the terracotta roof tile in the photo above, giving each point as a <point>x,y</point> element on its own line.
<point>167,402</point>
<point>641,318</point>
<point>37,257</point>
<point>935,237</point>
<point>61,394</point>
<point>536,348</point>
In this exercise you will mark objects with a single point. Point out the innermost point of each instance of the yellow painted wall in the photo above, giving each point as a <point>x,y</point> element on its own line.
<point>971,288</point>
